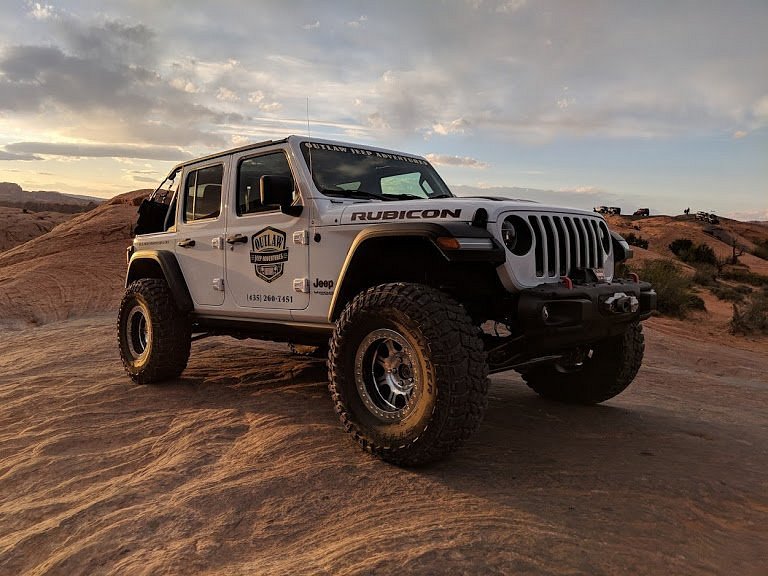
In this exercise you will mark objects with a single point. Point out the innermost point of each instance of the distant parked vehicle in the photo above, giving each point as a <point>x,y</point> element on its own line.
<point>615,210</point>
<point>707,217</point>
<point>601,209</point>
<point>642,212</point>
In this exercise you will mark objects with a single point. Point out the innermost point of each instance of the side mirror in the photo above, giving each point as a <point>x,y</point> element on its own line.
<point>278,191</point>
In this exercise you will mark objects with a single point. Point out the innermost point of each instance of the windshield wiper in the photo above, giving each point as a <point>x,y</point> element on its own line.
<point>356,194</point>
<point>406,197</point>
<point>440,196</point>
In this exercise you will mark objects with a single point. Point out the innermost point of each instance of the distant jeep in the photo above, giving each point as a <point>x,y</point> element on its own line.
<point>642,212</point>
<point>707,217</point>
<point>415,295</point>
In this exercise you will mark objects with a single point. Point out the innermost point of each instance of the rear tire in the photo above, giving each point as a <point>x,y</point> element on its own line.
<point>606,373</point>
<point>154,337</point>
<point>407,373</point>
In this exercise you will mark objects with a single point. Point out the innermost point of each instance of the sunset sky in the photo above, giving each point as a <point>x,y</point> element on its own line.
<point>653,104</point>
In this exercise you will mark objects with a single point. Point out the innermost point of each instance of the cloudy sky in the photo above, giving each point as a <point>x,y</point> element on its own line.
<point>654,104</point>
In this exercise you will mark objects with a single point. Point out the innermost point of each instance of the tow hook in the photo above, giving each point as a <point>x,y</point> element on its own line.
<point>620,303</point>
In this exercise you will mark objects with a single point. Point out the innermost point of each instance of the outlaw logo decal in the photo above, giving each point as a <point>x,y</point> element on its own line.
<point>269,253</point>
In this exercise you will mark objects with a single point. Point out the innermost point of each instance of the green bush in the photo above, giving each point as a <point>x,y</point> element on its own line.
<point>638,241</point>
<point>672,287</point>
<point>692,253</point>
<point>751,317</point>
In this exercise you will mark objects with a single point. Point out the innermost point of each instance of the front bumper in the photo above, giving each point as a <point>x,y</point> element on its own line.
<point>554,318</point>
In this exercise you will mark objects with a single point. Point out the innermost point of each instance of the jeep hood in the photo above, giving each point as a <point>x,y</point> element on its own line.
<point>457,209</point>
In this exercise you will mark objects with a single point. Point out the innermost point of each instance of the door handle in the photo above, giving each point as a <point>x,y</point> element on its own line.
<point>237,239</point>
<point>188,243</point>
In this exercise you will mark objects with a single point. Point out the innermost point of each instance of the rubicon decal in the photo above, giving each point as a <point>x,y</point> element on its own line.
<point>407,214</point>
<point>269,253</point>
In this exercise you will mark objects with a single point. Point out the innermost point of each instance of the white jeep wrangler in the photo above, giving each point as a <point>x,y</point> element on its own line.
<point>418,294</point>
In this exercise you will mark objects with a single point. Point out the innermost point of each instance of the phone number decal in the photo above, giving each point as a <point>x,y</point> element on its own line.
<point>270,298</point>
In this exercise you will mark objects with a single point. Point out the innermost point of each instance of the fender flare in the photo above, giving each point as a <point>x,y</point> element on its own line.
<point>171,272</point>
<point>425,230</point>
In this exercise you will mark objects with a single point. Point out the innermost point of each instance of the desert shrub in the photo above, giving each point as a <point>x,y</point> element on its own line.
<point>672,287</point>
<point>745,277</point>
<point>706,275</point>
<point>692,253</point>
<point>761,249</point>
<point>638,240</point>
<point>695,302</point>
<point>681,246</point>
<point>751,317</point>
<point>727,293</point>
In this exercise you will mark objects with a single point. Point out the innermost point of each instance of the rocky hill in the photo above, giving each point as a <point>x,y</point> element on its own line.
<point>12,196</point>
<point>19,225</point>
<point>76,269</point>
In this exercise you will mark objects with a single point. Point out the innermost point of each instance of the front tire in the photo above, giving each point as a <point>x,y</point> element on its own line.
<point>407,373</point>
<point>154,337</point>
<point>607,372</point>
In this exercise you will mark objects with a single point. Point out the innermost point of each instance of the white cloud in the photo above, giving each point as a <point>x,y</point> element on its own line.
<point>40,11</point>
<point>227,95</point>
<point>453,127</point>
<point>446,160</point>
<point>760,109</point>
<point>357,23</point>
<point>184,85</point>
<point>313,26</point>
<point>745,216</point>
<point>510,6</point>
<point>80,150</point>
<point>583,190</point>
<point>739,134</point>
<point>260,99</point>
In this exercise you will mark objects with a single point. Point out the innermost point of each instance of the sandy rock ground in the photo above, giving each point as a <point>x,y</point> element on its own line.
<point>240,467</point>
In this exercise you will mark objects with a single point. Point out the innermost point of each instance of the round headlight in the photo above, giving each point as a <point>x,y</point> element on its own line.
<point>516,235</point>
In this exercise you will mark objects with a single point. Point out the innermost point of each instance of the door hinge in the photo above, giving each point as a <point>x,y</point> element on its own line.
<point>218,284</point>
<point>301,285</point>
<point>301,237</point>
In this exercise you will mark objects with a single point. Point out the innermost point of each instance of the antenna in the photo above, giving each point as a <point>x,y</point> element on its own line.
<point>309,144</point>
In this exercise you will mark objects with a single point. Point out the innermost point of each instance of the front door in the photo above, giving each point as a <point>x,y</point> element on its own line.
<point>267,251</point>
<point>199,250</point>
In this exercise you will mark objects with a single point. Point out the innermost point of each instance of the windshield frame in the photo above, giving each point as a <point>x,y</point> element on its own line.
<point>312,151</point>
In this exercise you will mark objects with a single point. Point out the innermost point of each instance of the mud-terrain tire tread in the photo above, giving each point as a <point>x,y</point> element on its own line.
<point>171,332</point>
<point>456,357</point>
<point>613,368</point>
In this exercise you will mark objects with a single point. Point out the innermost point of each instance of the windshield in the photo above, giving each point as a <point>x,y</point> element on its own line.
<point>359,173</point>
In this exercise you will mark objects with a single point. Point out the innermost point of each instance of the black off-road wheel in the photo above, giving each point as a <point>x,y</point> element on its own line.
<point>407,373</point>
<point>604,371</point>
<point>154,337</point>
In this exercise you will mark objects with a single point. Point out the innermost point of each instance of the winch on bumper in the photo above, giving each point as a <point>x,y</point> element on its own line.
<point>555,317</point>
